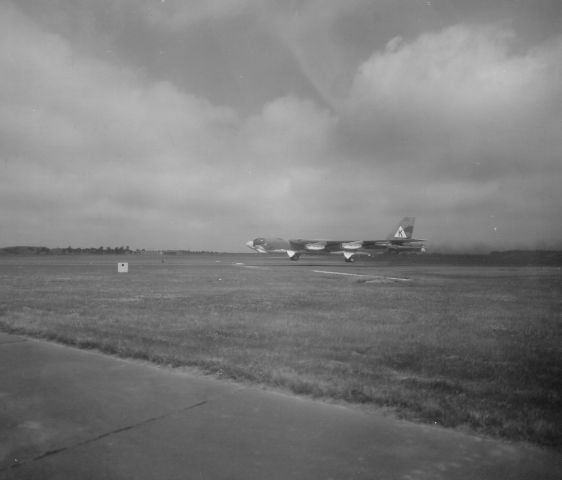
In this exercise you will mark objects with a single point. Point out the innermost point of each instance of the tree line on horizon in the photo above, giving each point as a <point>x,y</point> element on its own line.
<point>121,250</point>
<point>507,257</point>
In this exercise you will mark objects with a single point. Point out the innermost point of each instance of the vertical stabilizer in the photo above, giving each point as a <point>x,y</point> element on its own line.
<point>404,230</point>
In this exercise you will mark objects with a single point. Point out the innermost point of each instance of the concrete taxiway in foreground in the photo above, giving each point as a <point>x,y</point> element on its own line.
<point>67,413</point>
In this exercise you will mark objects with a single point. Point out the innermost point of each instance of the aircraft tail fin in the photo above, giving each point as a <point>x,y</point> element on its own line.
<point>403,230</point>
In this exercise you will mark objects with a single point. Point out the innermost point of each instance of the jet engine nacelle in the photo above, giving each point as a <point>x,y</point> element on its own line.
<point>352,245</point>
<point>315,246</point>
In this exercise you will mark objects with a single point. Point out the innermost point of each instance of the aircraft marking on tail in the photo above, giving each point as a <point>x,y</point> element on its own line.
<point>400,233</point>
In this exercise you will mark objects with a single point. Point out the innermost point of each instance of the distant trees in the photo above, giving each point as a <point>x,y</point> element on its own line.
<point>25,250</point>
<point>121,250</point>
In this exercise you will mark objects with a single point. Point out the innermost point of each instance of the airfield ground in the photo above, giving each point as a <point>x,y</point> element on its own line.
<point>476,347</point>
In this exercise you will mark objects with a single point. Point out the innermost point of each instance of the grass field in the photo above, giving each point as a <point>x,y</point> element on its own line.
<point>473,347</point>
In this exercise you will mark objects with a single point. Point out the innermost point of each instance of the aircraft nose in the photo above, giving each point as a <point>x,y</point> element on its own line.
<point>250,244</point>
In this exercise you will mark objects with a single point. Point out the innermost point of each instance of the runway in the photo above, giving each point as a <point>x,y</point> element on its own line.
<point>69,413</point>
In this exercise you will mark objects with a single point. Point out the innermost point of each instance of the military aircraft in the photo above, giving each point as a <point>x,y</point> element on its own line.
<point>399,240</point>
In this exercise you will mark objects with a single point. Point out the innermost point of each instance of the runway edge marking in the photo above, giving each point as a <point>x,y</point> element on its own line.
<point>341,273</point>
<point>374,277</point>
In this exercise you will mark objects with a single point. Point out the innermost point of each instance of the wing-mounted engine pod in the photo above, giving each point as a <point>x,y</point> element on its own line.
<point>315,246</point>
<point>352,245</point>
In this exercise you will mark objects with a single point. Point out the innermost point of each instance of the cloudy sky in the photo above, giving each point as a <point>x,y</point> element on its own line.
<point>199,124</point>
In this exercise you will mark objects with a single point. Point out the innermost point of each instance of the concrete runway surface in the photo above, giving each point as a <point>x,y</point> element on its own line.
<point>67,414</point>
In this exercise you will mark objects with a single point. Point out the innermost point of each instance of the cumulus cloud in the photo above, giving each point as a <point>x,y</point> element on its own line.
<point>455,126</point>
<point>85,142</point>
<point>470,123</point>
<point>289,132</point>
<point>461,84</point>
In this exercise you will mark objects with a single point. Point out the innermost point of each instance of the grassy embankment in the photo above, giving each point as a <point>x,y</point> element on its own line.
<point>474,348</point>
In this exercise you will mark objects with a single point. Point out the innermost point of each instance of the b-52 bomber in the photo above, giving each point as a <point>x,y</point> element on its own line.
<point>399,240</point>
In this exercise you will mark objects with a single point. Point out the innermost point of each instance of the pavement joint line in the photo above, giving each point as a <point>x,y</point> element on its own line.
<point>120,429</point>
<point>56,451</point>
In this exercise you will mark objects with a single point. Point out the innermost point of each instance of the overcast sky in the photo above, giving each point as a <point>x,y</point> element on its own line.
<point>199,124</point>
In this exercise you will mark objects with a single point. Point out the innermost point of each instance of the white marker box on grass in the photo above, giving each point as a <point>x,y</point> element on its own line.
<point>122,267</point>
